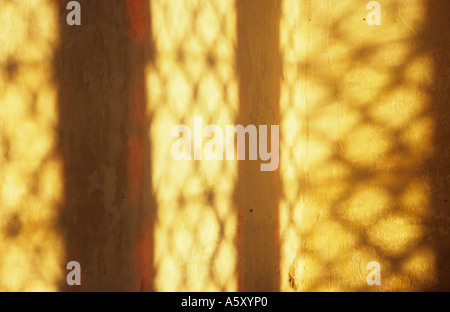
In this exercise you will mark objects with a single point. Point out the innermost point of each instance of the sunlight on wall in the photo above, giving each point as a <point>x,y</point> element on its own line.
<point>30,174</point>
<point>355,134</point>
<point>193,75</point>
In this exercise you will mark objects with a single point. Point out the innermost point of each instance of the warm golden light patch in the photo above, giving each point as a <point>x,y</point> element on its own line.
<point>193,76</point>
<point>30,171</point>
<point>356,96</point>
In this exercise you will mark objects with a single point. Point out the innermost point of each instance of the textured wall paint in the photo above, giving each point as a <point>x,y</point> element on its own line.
<point>31,182</point>
<point>257,193</point>
<point>193,75</point>
<point>358,153</point>
<point>102,126</point>
<point>87,175</point>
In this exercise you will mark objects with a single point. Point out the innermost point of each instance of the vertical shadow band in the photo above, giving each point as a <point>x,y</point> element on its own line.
<point>257,192</point>
<point>436,40</point>
<point>105,219</point>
